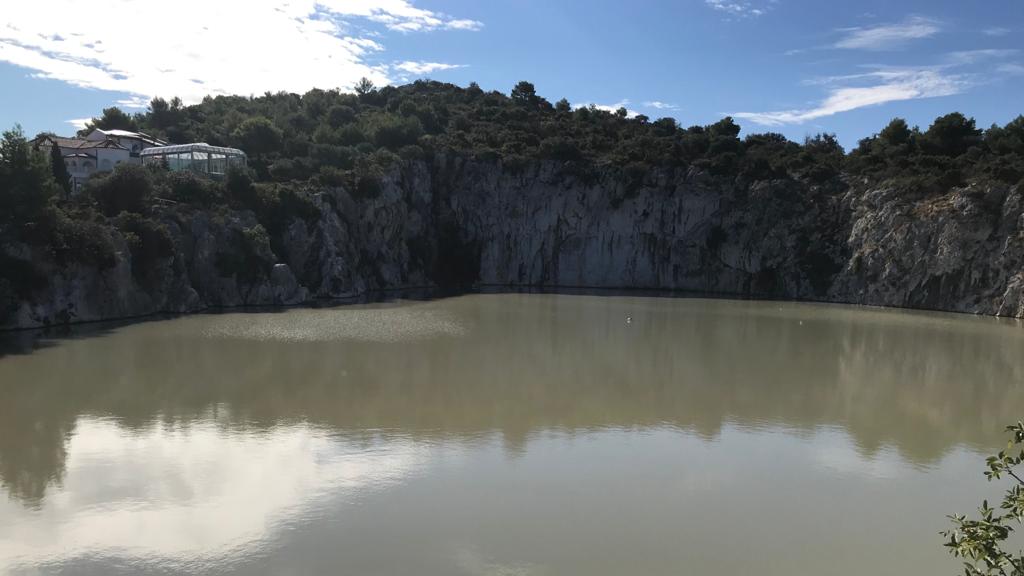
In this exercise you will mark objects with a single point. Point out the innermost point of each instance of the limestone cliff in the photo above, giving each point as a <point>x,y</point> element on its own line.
<point>456,222</point>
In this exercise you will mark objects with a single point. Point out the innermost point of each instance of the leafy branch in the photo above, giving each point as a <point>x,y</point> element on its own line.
<point>980,541</point>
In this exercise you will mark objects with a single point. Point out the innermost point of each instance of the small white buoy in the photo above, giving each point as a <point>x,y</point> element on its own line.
<point>629,319</point>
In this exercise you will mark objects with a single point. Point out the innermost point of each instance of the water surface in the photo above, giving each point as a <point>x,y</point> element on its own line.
<point>505,435</point>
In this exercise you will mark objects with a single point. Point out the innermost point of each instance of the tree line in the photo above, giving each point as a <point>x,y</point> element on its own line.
<point>298,144</point>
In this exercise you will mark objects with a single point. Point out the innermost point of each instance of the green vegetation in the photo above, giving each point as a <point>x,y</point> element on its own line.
<point>326,137</point>
<point>249,259</point>
<point>951,152</point>
<point>299,144</point>
<point>981,541</point>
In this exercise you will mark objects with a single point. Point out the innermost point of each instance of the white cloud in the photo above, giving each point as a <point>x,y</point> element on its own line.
<point>399,15</point>
<point>957,72</point>
<point>78,123</point>
<point>421,68</point>
<point>889,85</point>
<point>1010,69</point>
<point>133,102</point>
<point>973,56</point>
<point>224,47</point>
<point>464,25</point>
<point>609,107</point>
<point>888,36</point>
<point>736,8</point>
<point>996,31</point>
<point>658,105</point>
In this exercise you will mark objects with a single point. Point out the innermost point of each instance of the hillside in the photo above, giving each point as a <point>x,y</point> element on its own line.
<point>430,184</point>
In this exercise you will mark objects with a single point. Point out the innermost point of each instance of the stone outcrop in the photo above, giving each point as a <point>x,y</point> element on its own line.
<point>456,222</point>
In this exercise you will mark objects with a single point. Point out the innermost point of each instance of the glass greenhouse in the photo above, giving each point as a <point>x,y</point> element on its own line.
<point>197,157</point>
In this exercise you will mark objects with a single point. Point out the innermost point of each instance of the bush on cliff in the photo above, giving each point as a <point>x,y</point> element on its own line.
<point>79,236</point>
<point>249,258</point>
<point>31,217</point>
<point>189,188</point>
<point>149,242</point>
<point>128,188</point>
<point>19,278</point>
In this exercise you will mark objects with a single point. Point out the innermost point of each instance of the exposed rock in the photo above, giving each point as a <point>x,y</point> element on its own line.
<point>455,222</point>
<point>286,289</point>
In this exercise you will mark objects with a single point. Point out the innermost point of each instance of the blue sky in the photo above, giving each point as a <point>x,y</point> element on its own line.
<point>793,66</point>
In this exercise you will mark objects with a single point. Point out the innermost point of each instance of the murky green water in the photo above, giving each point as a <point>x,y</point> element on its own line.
<point>505,435</point>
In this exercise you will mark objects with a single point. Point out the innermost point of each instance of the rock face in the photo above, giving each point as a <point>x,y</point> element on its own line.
<point>455,222</point>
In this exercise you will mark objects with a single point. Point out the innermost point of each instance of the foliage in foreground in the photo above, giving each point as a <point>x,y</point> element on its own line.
<point>981,540</point>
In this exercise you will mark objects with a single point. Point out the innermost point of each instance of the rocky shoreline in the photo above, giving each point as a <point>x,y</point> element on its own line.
<point>452,223</point>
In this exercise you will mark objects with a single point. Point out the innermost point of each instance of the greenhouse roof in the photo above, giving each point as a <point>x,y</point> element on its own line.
<point>193,147</point>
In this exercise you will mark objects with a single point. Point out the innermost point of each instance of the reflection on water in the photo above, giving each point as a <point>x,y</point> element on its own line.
<point>180,496</point>
<point>512,434</point>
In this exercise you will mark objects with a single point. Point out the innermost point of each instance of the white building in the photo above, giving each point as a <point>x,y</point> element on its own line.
<point>134,142</point>
<point>102,150</point>
<point>84,157</point>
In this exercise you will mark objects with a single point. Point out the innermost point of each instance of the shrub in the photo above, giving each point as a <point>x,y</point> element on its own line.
<point>190,188</point>
<point>258,136</point>
<point>249,257</point>
<point>81,238</point>
<point>559,148</point>
<point>129,188</point>
<point>331,176</point>
<point>149,243</point>
<point>393,132</point>
<point>19,280</point>
<point>238,184</point>
<point>340,115</point>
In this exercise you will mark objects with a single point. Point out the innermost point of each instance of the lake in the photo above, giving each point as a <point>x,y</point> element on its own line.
<point>505,435</point>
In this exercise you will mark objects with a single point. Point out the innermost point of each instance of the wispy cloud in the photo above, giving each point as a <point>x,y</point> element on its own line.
<point>464,24</point>
<point>954,73</point>
<point>290,45</point>
<point>974,56</point>
<point>133,102</point>
<point>736,8</point>
<point>1010,69</point>
<point>609,107</point>
<point>888,36</point>
<point>78,123</point>
<point>421,68</point>
<point>658,105</point>
<point>882,86</point>
<point>398,15</point>
<point>996,31</point>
